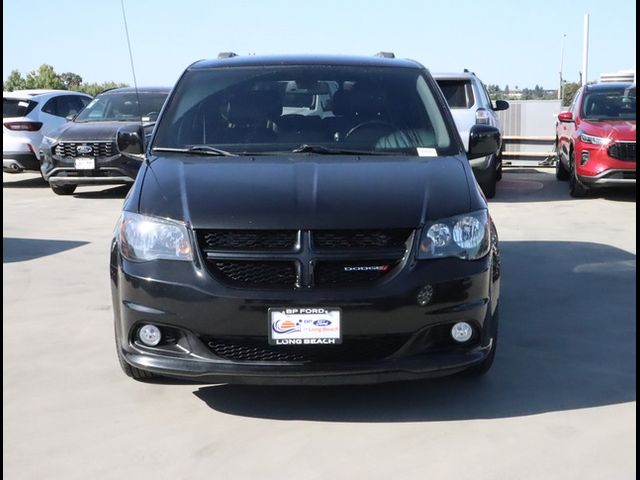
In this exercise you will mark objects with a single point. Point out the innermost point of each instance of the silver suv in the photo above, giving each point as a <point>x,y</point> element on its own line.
<point>470,105</point>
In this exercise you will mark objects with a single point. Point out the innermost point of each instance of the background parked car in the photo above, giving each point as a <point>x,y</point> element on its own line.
<point>596,138</point>
<point>470,105</point>
<point>83,152</point>
<point>27,116</point>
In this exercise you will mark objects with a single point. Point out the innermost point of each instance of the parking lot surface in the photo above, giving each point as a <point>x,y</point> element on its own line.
<point>559,403</point>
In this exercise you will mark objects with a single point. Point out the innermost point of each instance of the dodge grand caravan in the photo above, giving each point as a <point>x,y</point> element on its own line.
<point>259,245</point>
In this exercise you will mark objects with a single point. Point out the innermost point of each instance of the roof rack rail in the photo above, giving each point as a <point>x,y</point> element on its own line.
<point>466,70</point>
<point>227,54</point>
<point>385,55</point>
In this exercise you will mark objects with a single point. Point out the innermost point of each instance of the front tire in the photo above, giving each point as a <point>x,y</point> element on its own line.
<point>133,372</point>
<point>485,365</point>
<point>63,189</point>
<point>488,184</point>
<point>562,173</point>
<point>576,188</point>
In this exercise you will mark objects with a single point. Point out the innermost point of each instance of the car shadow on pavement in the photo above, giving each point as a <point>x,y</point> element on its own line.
<point>114,192</point>
<point>527,185</point>
<point>31,182</point>
<point>22,249</point>
<point>567,341</point>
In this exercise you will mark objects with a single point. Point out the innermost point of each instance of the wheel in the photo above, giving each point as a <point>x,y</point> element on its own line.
<point>483,367</point>
<point>488,184</point>
<point>130,371</point>
<point>63,189</point>
<point>562,173</point>
<point>576,188</point>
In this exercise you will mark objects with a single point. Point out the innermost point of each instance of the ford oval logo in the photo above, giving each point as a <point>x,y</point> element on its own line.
<point>84,149</point>
<point>322,323</point>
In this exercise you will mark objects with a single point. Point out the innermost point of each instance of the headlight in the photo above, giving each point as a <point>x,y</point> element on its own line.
<point>463,236</point>
<point>594,140</point>
<point>142,238</point>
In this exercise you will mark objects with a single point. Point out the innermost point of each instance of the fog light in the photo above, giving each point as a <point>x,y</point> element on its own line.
<point>425,295</point>
<point>461,332</point>
<point>150,335</point>
<point>584,158</point>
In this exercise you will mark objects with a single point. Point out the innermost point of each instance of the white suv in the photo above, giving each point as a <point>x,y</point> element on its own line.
<point>470,105</point>
<point>27,116</point>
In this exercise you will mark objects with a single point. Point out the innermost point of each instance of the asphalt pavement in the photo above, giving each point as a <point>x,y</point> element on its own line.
<point>559,403</point>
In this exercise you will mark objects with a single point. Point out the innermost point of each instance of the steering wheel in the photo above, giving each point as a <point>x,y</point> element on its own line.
<point>386,127</point>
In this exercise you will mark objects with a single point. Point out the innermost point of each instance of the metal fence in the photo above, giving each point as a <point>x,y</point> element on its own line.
<point>529,129</point>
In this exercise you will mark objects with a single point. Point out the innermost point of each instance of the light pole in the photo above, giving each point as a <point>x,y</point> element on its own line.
<point>561,64</point>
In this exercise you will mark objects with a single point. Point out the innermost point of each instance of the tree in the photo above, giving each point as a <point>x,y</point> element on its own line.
<point>568,92</point>
<point>71,80</point>
<point>14,82</point>
<point>45,77</point>
<point>94,89</point>
<point>506,89</point>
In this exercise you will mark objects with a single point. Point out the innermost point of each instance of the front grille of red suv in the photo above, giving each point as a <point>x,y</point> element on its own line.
<point>625,151</point>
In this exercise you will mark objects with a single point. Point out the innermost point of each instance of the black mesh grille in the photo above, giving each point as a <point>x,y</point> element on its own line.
<point>98,149</point>
<point>625,151</point>
<point>345,239</point>
<point>352,273</point>
<point>302,259</point>
<point>252,273</point>
<point>353,349</point>
<point>249,239</point>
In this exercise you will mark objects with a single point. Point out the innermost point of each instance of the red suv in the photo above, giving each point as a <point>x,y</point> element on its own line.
<point>596,138</point>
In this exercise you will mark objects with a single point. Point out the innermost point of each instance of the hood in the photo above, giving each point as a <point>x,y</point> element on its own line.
<point>89,131</point>
<point>616,129</point>
<point>307,191</point>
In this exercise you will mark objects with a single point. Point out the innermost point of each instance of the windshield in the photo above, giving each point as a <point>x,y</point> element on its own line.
<point>615,104</point>
<point>123,107</point>
<point>282,108</point>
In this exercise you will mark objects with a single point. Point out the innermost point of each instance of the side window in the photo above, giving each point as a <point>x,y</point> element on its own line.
<point>51,107</point>
<point>69,105</point>
<point>576,101</point>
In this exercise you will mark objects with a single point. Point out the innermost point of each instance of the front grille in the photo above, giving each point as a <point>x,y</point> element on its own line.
<point>625,151</point>
<point>255,274</point>
<point>352,273</point>
<point>249,239</point>
<point>98,149</point>
<point>291,259</point>
<point>352,349</point>
<point>345,239</point>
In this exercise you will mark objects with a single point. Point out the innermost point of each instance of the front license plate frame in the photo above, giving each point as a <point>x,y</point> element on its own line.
<point>305,326</point>
<point>85,163</point>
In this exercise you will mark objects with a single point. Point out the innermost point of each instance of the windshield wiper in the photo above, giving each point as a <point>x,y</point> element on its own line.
<point>305,148</point>
<point>198,149</point>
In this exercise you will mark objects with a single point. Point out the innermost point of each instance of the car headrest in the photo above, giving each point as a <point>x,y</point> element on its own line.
<point>253,107</point>
<point>360,102</point>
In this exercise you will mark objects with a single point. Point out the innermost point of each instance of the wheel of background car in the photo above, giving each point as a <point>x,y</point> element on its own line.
<point>385,126</point>
<point>576,188</point>
<point>63,189</point>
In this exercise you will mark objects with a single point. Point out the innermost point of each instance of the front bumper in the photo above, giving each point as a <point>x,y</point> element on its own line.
<point>114,170</point>
<point>182,298</point>
<point>596,168</point>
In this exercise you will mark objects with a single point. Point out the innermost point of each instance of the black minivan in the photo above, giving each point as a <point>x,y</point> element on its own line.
<point>305,220</point>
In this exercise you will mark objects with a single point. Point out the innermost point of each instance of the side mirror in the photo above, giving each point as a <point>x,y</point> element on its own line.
<point>565,117</point>
<point>130,141</point>
<point>501,105</point>
<point>483,140</point>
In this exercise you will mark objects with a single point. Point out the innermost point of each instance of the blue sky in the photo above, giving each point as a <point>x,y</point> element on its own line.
<point>504,42</point>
